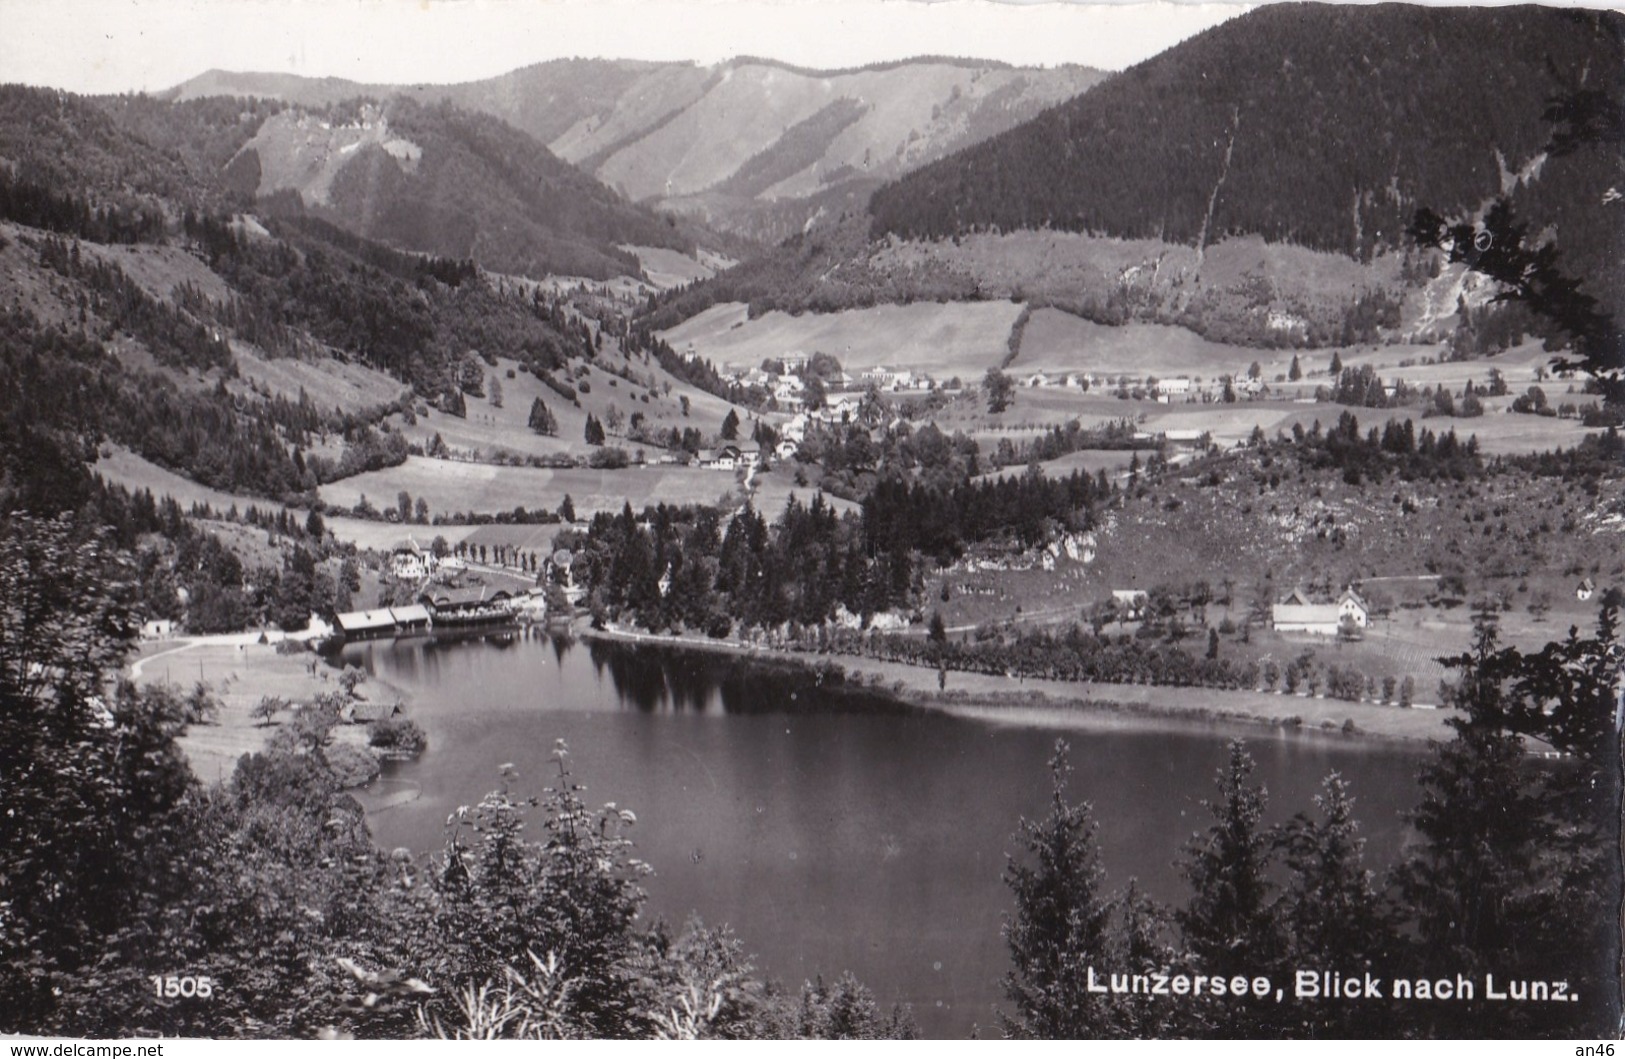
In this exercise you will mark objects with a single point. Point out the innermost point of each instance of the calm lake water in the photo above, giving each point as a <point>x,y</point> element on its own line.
<point>832,830</point>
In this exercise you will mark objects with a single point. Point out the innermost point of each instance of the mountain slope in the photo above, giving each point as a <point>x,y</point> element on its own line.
<point>1321,125</point>
<point>1252,184</point>
<point>752,146</point>
<point>449,182</point>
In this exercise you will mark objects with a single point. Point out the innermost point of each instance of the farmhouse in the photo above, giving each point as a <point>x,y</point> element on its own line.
<point>1179,387</point>
<point>1298,614</point>
<point>409,561</point>
<point>1584,589</point>
<point>787,449</point>
<point>726,458</point>
<point>1130,602</point>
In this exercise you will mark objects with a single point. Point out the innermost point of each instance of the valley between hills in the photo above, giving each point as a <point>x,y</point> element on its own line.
<point>1276,381</point>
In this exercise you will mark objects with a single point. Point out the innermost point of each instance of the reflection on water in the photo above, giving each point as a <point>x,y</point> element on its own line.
<point>831,827</point>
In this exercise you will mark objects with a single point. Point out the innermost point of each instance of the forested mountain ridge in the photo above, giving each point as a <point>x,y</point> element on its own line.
<point>1319,125</point>
<point>752,146</point>
<point>454,183</point>
<point>131,279</point>
<point>1253,184</point>
<point>428,179</point>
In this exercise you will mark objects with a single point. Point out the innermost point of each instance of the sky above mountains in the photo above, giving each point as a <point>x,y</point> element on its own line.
<point>132,45</point>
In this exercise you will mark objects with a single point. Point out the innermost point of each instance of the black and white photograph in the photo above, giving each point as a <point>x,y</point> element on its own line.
<point>810,519</point>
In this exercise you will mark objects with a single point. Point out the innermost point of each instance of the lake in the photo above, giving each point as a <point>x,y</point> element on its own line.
<point>833,829</point>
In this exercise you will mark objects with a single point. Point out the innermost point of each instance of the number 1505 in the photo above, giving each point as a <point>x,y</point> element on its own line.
<point>171,986</point>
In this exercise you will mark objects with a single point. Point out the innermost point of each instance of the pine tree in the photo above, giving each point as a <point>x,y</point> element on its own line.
<point>1060,923</point>
<point>1295,372</point>
<point>730,426</point>
<point>1496,880</point>
<point>1336,367</point>
<point>541,418</point>
<point>595,431</point>
<point>1231,926</point>
<point>1336,917</point>
<point>1139,946</point>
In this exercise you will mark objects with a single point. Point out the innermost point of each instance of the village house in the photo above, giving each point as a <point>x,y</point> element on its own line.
<point>1584,589</point>
<point>787,449</point>
<point>727,458</point>
<point>1185,439</point>
<point>1298,614</point>
<point>1167,389</point>
<point>839,410</point>
<point>888,378</point>
<point>1130,603</point>
<point>410,562</point>
<point>788,388</point>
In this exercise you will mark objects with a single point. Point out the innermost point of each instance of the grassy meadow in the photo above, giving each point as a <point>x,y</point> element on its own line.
<point>944,340</point>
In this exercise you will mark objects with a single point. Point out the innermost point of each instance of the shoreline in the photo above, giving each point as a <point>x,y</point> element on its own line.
<point>1074,704</point>
<point>240,670</point>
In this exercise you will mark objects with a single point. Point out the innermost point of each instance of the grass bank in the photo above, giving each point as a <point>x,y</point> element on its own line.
<point>240,674</point>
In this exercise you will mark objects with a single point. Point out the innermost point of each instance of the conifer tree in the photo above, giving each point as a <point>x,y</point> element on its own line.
<point>1231,926</point>
<point>1139,945</point>
<point>1504,873</point>
<point>1336,917</point>
<point>541,418</point>
<point>1060,924</point>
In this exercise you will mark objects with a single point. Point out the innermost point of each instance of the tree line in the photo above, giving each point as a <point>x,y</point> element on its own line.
<point>1514,877</point>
